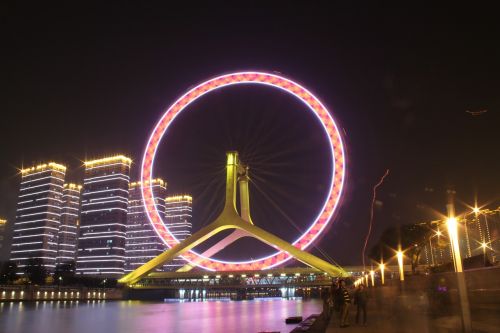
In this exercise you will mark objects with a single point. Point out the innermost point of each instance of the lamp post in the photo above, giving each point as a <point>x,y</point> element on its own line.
<point>372,275</point>
<point>382,270</point>
<point>399,255</point>
<point>452,225</point>
<point>484,246</point>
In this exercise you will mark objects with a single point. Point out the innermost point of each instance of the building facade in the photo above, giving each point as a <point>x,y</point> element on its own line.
<point>178,216</point>
<point>3,227</point>
<point>437,250</point>
<point>143,244</point>
<point>38,215</point>
<point>478,234</point>
<point>70,220</point>
<point>102,234</point>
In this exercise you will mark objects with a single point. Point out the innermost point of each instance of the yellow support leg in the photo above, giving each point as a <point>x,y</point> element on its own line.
<point>229,219</point>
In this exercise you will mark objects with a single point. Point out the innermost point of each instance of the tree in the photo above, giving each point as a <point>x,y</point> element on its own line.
<point>36,271</point>
<point>408,236</point>
<point>8,272</point>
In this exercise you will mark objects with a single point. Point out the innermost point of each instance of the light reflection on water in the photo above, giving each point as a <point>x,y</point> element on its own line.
<point>151,317</point>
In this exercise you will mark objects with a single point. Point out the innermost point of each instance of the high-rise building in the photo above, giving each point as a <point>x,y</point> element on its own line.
<point>483,229</point>
<point>3,226</point>
<point>178,215</point>
<point>478,234</point>
<point>436,249</point>
<point>68,229</point>
<point>143,244</point>
<point>101,243</point>
<point>38,214</point>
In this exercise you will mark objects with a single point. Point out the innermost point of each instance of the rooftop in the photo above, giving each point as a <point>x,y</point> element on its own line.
<point>40,167</point>
<point>109,160</point>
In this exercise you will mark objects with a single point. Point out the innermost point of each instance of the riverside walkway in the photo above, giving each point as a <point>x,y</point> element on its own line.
<point>391,309</point>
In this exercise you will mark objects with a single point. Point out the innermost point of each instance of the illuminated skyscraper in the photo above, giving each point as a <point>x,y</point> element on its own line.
<point>38,214</point>
<point>178,215</point>
<point>68,229</point>
<point>436,249</point>
<point>143,244</point>
<point>101,244</point>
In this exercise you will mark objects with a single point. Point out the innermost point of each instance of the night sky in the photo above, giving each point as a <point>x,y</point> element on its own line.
<point>80,82</point>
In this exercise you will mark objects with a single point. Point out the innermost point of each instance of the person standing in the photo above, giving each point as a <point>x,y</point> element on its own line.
<point>360,300</point>
<point>343,299</point>
<point>326,296</point>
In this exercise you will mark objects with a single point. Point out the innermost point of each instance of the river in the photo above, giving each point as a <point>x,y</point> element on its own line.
<point>151,317</point>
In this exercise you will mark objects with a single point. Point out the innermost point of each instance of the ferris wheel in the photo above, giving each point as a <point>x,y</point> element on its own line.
<point>328,207</point>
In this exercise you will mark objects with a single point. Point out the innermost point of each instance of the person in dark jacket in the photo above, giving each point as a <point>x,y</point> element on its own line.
<point>327,307</point>
<point>343,300</point>
<point>360,300</point>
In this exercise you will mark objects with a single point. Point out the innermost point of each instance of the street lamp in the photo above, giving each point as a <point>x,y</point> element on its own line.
<point>372,275</point>
<point>399,255</point>
<point>484,246</point>
<point>452,225</point>
<point>382,269</point>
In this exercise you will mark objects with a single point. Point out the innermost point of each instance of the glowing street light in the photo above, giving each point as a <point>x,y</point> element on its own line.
<point>382,269</point>
<point>476,210</point>
<point>484,246</point>
<point>372,275</point>
<point>452,225</point>
<point>399,255</point>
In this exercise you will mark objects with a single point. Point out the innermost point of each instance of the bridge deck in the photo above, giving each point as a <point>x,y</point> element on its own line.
<point>272,278</point>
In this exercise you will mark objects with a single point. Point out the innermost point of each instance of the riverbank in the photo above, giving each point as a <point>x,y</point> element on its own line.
<point>20,293</point>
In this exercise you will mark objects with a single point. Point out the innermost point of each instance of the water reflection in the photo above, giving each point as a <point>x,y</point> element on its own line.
<point>170,316</point>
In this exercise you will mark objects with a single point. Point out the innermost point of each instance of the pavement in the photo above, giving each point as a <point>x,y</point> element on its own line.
<point>389,312</point>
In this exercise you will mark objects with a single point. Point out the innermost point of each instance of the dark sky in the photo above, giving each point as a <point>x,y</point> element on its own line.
<point>81,82</point>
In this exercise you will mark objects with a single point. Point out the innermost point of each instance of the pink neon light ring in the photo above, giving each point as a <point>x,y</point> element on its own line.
<point>336,182</point>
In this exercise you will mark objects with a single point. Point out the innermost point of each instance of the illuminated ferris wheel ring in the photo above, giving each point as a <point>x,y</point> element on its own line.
<point>336,182</point>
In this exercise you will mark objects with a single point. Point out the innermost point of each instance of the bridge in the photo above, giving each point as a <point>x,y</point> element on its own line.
<point>277,282</point>
<point>272,278</point>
